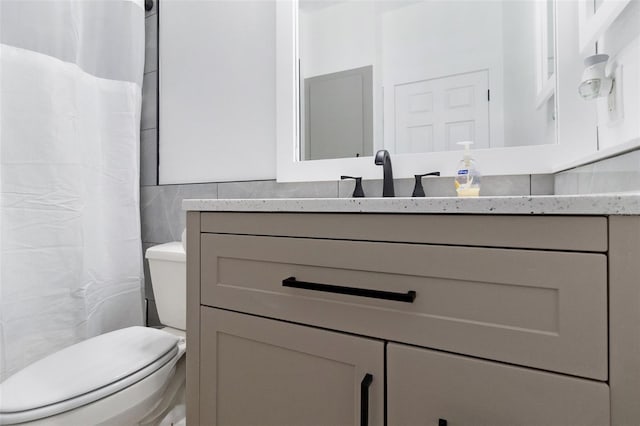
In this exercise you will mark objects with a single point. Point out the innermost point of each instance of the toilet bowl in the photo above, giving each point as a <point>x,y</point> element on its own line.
<point>132,376</point>
<point>115,378</point>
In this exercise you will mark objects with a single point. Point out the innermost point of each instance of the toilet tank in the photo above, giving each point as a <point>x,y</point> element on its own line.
<point>167,264</point>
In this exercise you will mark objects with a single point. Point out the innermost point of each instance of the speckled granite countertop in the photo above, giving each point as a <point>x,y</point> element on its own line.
<point>596,204</point>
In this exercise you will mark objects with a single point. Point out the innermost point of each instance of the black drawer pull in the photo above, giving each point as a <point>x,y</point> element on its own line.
<point>407,297</point>
<point>442,422</point>
<point>364,399</point>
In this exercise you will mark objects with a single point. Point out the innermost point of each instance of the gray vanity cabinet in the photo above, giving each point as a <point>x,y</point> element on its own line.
<point>500,320</point>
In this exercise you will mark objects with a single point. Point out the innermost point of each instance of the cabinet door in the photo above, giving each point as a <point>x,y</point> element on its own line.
<point>256,371</point>
<point>427,387</point>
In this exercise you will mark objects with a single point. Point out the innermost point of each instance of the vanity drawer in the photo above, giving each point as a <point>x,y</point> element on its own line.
<point>542,309</point>
<point>424,386</point>
<point>569,233</point>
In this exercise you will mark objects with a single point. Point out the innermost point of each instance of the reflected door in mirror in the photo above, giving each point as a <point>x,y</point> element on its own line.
<point>434,115</point>
<point>338,115</point>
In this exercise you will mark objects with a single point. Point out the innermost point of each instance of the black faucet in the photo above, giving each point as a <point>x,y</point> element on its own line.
<point>383,159</point>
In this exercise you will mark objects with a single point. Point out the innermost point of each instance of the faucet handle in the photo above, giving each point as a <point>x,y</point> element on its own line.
<point>418,190</point>
<point>358,192</point>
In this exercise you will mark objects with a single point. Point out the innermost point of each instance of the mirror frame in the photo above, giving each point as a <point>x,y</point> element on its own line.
<point>537,159</point>
<point>546,84</point>
<point>594,24</point>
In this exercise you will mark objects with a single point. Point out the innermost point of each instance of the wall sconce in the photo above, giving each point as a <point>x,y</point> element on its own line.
<point>595,82</point>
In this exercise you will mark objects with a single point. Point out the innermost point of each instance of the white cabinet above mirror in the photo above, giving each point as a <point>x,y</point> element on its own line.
<point>416,77</point>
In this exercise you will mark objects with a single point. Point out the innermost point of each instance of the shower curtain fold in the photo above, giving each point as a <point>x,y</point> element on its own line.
<point>70,99</point>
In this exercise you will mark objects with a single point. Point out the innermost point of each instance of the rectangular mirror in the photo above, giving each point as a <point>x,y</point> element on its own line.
<point>415,76</point>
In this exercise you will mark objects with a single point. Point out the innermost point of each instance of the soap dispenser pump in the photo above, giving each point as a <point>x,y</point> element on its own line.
<point>467,180</point>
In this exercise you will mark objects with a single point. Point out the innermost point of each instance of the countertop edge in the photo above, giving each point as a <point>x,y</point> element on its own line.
<point>592,204</point>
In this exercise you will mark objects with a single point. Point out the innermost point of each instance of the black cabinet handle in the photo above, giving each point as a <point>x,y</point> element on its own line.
<point>364,399</point>
<point>407,297</point>
<point>442,422</point>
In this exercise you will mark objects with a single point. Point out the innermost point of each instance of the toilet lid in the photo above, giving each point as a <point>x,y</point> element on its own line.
<point>87,371</point>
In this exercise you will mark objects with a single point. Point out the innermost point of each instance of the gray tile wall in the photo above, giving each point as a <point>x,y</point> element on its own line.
<point>163,219</point>
<point>149,143</point>
<point>444,187</point>
<point>149,116</point>
<point>160,206</point>
<point>616,174</point>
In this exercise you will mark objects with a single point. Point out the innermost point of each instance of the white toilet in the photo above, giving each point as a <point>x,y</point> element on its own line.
<point>132,376</point>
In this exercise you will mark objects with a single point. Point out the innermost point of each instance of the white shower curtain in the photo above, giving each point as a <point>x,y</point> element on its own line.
<point>70,97</point>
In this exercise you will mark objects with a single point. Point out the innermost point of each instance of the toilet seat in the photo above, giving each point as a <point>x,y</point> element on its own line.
<point>85,372</point>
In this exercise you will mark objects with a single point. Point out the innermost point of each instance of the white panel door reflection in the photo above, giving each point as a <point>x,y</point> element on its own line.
<point>433,115</point>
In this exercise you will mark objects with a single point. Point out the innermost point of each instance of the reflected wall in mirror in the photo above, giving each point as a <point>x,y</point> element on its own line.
<point>416,76</point>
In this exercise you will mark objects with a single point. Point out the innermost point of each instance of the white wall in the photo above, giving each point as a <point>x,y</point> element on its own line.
<point>576,118</point>
<point>622,44</point>
<point>217,91</point>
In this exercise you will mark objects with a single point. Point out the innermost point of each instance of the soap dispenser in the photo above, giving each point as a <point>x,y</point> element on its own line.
<point>467,176</point>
